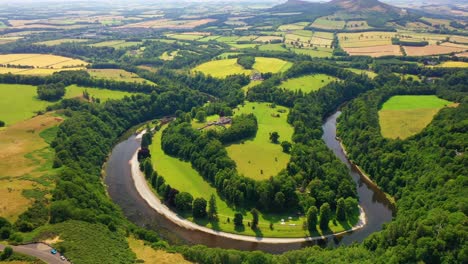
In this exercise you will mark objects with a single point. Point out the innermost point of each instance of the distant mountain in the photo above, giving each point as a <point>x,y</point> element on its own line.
<point>365,6</point>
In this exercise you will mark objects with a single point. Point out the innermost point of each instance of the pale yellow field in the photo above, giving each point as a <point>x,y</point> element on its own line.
<point>267,38</point>
<point>41,60</point>
<point>25,158</point>
<point>150,255</point>
<point>117,75</point>
<point>453,64</point>
<point>36,71</point>
<point>375,51</point>
<point>431,50</point>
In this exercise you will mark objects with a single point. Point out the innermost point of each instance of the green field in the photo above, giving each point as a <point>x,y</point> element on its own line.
<point>118,44</point>
<point>184,36</point>
<point>328,23</point>
<point>403,116</point>
<point>183,177</point>
<point>19,102</point>
<point>314,53</point>
<point>371,74</point>
<point>259,154</point>
<point>117,75</point>
<point>103,94</point>
<point>60,41</point>
<point>307,83</point>
<point>272,47</point>
<point>223,68</point>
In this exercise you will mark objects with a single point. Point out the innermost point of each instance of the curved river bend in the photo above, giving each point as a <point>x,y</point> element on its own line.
<point>121,189</point>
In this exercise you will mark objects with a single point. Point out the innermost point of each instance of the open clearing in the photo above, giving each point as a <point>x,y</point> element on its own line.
<point>73,91</point>
<point>258,154</point>
<point>117,75</point>
<point>153,256</point>
<point>371,74</point>
<point>26,171</point>
<point>403,116</point>
<point>307,83</point>
<point>223,68</point>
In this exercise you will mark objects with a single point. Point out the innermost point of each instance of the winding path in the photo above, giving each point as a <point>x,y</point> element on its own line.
<point>147,194</point>
<point>38,250</point>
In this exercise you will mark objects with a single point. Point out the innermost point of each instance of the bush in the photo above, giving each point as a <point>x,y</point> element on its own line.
<point>7,252</point>
<point>2,123</point>
<point>51,92</point>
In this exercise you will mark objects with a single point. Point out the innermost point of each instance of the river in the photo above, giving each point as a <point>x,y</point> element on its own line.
<point>122,190</point>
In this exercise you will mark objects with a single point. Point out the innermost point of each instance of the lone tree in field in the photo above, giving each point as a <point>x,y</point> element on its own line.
<point>255,214</point>
<point>341,210</point>
<point>212,209</point>
<point>274,137</point>
<point>199,208</point>
<point>325,214</point>
<point>238,218</point>
<point>286,146</point>
<point>312,215</point>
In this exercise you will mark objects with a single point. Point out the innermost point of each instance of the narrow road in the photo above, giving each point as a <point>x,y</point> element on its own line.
<point>38,250</point>
<point>147,194</point>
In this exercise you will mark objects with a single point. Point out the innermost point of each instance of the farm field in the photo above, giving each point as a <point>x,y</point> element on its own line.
<point>356,25</point>
<point>371,74</point>
<point>314,53</point>
<point>307,83</point>
<point>267,39</point>
<point>453,64</point>
<point>19,102</point>
<point>35,71</point>
<point>60,41</point>
<point>226,67</point>
<point>272,47</point>
<point>26,171</point>
<point>289,27</point>
<point>73,91</point>
<point>317,39</point>
<point>170,24</point>
<point>406,115</point>
<point>118,44</point>
<point>375,51</point>
<point>182,176</point>
<point>117,75</point>
<point>169,55</point>
<point>41,61</point>
<point>259,154</point>
<point>185,36</point>
<point>328,23</point>
<point>431,50</point>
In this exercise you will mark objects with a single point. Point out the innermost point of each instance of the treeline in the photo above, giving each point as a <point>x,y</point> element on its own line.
<point>426,173</point>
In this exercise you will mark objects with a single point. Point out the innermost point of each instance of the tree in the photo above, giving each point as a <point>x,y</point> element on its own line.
<point>274,137</point>
<point>312,214</point>
<point>280,199</point>
<point>51,91</point>
<point>340,210</point>
<point>351,205</point>
<point>238,218</point>
<point>255,214</point>
<point>2,123</point>
<point>286,146</point>
<point>7,252</point>
<point>325,214</point>
<point>199,208</point>
<point>148,168</point>
<point>5,232</point>
<point>201,116</point>
<point>183,201</point>
<point>212,209</point>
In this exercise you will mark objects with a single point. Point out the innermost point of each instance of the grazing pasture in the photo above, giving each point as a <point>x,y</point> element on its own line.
<point>316,52</point>
<point>273,47</point>
<point>328,23</point>
<point>258,158</point>
<point>73,91</point>
<point>307,83</point>
<point>118,44</point>
<point>371,74</point>
<point>406,115</point>
<point>60,41</point>
<point>432,50</point>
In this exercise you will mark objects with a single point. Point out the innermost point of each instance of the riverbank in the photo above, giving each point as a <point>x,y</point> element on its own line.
<point>364,176</point>
<point>147,194</point>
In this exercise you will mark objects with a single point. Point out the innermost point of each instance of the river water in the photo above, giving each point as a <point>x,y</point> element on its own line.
<point>122,190</point>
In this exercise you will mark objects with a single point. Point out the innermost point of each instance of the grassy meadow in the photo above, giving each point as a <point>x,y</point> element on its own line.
<point>403,116</point>
<point>73,91</point>
<point>226,67</point>
<point>150,255</point>
<point>26,171</point>
<point>259,154</point>
<point>117,75</point>
<point>307,83</point>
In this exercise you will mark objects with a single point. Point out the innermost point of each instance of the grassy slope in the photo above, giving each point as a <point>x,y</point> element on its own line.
<point>151,255</point>
<point>103,94</point>
<point>26,169</point>
<point>258,153</point>
<point>404,116</point>
<point>308,83</point>
<point>117,75</point>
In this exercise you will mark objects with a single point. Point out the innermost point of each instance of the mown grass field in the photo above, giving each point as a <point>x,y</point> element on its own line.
<point>307,83</point>
<point>26,170</point>
<point>328,23</point>
<point>182,176</point>
<point>406,115</point>
<point>117,75</point>
<point>258,154</point>
<point>118,44</point>
<point>272,47</point>
<point>226,67</point>
<point>153,256</point>
<point>371,74</point>
<point>315,53</point>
